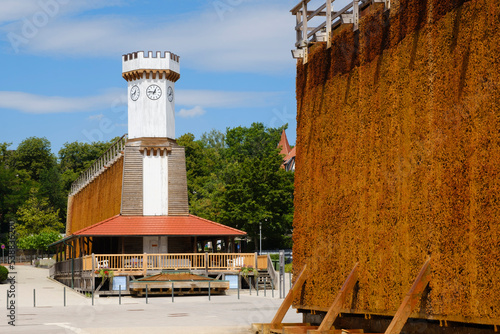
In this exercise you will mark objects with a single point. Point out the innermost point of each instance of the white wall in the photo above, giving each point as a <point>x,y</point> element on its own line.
<point>155,185</point>
<point>161,243</point>
<point>151,60</point>
<point>151,118</point>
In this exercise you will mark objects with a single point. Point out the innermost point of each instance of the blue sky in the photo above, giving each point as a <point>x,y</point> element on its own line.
<point>61,73</point>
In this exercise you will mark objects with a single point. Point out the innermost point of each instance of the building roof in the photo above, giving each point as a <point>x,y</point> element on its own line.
<point>285,146</point>
<point>158,225</point>
<point>290,155</point>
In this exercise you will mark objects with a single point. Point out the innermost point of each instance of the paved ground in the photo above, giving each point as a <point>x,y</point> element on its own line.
<point>193,314</point>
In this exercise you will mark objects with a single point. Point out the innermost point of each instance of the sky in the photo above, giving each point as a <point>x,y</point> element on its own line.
<point>62,62</point>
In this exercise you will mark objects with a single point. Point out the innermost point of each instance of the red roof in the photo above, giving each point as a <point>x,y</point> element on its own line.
<point>285,146</point>
<point>158,225</point>
<point>290,155</point>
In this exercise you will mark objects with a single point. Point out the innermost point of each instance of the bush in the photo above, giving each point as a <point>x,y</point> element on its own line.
<point>4,272</point>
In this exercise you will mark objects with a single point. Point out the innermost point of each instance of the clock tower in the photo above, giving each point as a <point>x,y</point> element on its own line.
<point>151,81</point>
<point>154,173</point>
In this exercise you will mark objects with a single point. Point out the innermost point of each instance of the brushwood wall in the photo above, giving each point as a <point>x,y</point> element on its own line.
<point>99,200</point>
<point>398,159</point>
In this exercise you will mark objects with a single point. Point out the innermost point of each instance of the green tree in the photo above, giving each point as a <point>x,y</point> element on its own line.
<point>51,187</point>
<point>37,216</point>
<point>38,242</point>
<point>257,189</point>
<point>34,156</point>
<point>204,166</point>
<point>76,157</point>
<point>236,179</point>
<point>14,187</point>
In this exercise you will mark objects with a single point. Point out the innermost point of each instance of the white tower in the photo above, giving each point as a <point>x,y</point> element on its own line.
<point>151,81</point>
<point>154,180</point>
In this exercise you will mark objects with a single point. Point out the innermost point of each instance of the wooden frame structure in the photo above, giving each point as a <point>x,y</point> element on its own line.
<point>306,34</point>
<point>326,327</point>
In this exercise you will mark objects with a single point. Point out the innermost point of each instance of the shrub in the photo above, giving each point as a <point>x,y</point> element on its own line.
<point>4,272</point>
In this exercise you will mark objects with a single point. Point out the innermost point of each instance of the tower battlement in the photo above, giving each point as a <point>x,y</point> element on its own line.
<point>137,61</point>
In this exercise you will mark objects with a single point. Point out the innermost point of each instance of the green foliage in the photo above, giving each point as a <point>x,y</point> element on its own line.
<point>104,273</point>
<point>247,270</point>
<point>37,216</point>
<point>4,273</point>
<point>236,179</point>
<point>34,186</point>
<point>33,155</point>
<point>14,187</point>
<point>76,157</point>
<point>38,241</point>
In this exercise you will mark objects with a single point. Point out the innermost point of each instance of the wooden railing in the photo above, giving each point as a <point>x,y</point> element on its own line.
<point>100,165</point>
<point>67,267</point>
<point>321,30</point>
<point>194,261</point>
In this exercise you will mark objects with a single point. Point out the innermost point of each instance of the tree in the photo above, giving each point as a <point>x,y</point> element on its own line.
<point>38,242</point>
<point>51,187</point>
<point>76,157</point>
<point>37,216</point>
<point>14,188</point>
<point>34,156</point>
<point>257,190</point>
<point>203,167</point>
<point>236,179</point>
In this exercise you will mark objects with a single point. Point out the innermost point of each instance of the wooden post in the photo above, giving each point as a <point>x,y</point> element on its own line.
<point>280,314</point>
<point>334,310</point>
<point>206,264</point>
<point>305,32</point>
<point>92,275</point>
<point>328,23</point>
<point>304,24</point>
<point>298,20</point>
<point>144,264</point>
<point>411,299</point>
<point>355,14</point>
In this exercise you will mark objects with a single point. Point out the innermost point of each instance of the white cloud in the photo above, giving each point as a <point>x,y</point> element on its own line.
<point>194,101</point>
<point>248,39</point>
<point>39,104</point>
<point>14,10</point>
<point>191,113</point>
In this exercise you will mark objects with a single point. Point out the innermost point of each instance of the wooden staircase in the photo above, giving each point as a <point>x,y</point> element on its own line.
<point>264,281</point>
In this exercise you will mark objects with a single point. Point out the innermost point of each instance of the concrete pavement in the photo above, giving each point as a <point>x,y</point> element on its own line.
<point>188,314</point>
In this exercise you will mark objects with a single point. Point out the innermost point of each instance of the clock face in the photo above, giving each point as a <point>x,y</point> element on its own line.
<point>170,94</point>
<point>135,93</point>
<point>153,92</point>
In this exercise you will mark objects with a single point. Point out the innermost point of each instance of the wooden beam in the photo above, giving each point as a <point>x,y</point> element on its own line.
<point>280,314</point>
<point>411,299</point>
<point>334,310</point>
<point>299,6</point>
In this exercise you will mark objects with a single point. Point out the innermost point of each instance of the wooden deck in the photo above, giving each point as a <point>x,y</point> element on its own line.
<point>80,273</point>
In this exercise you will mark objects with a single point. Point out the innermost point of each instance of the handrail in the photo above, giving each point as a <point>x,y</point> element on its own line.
<point>270,269</point>
<point>322,32</point>
<point>190,261</point>
<point>100,165</point>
